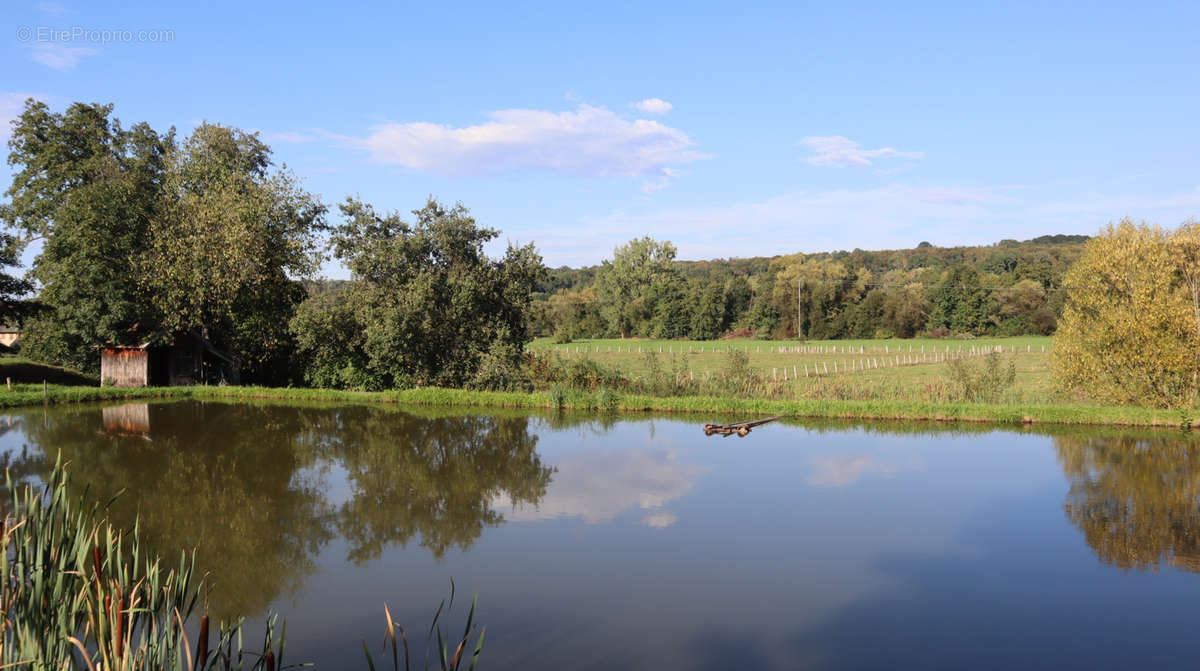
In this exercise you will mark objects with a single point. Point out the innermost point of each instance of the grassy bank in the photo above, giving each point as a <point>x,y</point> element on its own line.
<point>17,370</point>
<point>714,407</point>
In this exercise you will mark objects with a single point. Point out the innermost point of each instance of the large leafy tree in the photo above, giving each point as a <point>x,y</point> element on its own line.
<point>141,234</point>
<point>1130,330</point>
<point>88,188</point>
<point>627,283</point>
<point>227,250</point>
<point>428,306</point>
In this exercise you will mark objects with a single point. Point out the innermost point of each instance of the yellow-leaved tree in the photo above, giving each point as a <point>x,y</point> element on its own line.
<point>1130,330</point>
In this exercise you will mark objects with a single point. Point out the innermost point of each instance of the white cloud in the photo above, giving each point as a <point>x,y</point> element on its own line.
<point>660,520</point>
<point>52,8</point>
<point>651,185</point>
<point>843,471</point>
<point>841,151</point>
<point>60,56</point>
<point>598,485</point>
<point>589,141</point>
<point>653,106</point>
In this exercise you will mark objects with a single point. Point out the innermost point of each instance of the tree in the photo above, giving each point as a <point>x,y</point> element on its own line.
<point>959,301</point>
<point>905,310</point>
<point>1129,332</point>
<point>825,287</point>
<point>708,311</point>
<point>1023,308</point>
<point>428,307</point>
<point>142,234</point>
<point>624,283</point>
<point>229,246</point>
<point>738,295</point>
<point>88,188</point>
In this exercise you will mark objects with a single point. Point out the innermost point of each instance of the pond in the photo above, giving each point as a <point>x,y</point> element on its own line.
<point>638,543</point>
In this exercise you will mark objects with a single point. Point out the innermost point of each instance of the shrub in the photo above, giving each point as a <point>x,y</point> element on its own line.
<point>1130,329</point>
<point>985,382</point>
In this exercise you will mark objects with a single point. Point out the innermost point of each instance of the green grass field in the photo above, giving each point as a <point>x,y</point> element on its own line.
<point>913,370</point>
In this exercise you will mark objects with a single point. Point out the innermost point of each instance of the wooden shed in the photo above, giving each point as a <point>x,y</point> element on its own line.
<point>186,359</point>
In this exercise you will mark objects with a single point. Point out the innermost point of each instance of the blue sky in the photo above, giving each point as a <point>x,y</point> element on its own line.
<point>729,129</point>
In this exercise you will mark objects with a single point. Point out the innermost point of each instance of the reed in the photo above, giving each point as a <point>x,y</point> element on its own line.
<point>78,593</point>
<point>447,659</point>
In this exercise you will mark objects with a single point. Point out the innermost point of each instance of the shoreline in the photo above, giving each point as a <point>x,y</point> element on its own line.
<point>605,401</point>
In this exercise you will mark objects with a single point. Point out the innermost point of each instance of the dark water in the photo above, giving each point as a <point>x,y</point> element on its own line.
<point>641,544</point>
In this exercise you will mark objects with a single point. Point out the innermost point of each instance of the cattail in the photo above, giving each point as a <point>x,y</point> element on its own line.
<point>121,615</point>
<point>270,661</point>
<point>202,643</point>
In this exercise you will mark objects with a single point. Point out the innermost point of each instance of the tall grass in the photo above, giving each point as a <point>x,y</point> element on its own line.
<point>78,593</point>
<point>446,659</point>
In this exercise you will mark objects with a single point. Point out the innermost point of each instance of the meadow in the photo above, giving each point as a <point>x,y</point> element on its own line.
<point>910,370</point>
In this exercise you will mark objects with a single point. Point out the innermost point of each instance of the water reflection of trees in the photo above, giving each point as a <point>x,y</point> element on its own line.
<point>247,485</point>
<point>1135,498</point>
<point>222,479</point>
<point>432,477</point>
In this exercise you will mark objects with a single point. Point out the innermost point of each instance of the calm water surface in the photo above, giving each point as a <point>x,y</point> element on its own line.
<point>641,544</point>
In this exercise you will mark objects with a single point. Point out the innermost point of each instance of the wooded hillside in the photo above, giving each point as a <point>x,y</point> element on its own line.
<point>1009,288</point>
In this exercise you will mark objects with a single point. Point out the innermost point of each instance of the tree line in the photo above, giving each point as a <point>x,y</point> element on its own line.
<point>147,233</point>
<point>1010,288</point>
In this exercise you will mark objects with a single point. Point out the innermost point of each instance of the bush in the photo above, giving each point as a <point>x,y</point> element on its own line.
<point>985,382</point>
<point>1129,332</point>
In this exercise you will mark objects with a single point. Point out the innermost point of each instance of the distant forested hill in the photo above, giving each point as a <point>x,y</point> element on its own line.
<point>1009,288</point>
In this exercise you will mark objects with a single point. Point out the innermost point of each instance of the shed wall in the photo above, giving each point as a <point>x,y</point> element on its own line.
<point>124,367</point>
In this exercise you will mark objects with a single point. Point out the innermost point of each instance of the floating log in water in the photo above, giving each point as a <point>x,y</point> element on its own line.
<point>742,429</point>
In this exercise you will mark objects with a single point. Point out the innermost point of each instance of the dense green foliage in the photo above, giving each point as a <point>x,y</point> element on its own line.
<point>88,188</point>
<point>142,233</point>
<point>427,306</point>
<point>1011,288</point>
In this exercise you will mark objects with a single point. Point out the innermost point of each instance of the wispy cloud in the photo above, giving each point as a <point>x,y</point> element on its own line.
<point>843,471</point>
<point>895,216</point>
<point>653,106</point>
<point>842,151</point>
<point>52,8</point>
<point>589,141</point>
<point>599,485</point>
<point>60,56</point>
